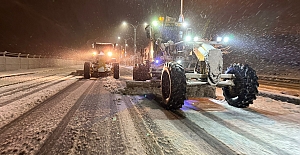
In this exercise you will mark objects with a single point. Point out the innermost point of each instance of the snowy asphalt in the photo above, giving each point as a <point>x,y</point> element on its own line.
<point>274,95</point>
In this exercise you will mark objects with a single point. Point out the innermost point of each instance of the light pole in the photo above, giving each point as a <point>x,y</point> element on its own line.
<point>134,37</point>
<point>125,52</point>
<point>125,46</point>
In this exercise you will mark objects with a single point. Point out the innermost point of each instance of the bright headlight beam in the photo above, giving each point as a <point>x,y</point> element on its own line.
<point>155,23</point>
<point>184,24</point>
<point>109,54</point>
<point>196,38</point>
<point>226,39</point>
<point>219,38</point>
<point>188,38</point>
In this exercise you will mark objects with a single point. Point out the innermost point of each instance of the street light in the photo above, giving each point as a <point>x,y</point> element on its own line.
<point>134,29</point>
<point>125,45</point>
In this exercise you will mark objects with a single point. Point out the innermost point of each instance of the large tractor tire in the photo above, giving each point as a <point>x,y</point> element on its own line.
<point>173,83</point>
<point>116,70</point>
<point>87,70</point>
<point>141,72</point>
<point>245,89</point>
<point>134,73</point>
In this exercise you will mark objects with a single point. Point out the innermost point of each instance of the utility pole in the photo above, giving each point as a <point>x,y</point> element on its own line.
<point>181,18</point>
<point>134,39</point>
<point>125,47</point>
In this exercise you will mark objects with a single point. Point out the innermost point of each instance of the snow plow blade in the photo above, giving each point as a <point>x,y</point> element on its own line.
<point>142,87</point>
<point>154,87</point>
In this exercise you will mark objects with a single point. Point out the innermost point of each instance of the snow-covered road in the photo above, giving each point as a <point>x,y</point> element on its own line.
<point>53,112</point>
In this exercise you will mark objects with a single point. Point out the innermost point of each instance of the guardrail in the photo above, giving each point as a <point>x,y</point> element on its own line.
<point>14,61</point>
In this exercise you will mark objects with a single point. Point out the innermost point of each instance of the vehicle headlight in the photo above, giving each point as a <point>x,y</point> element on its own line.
<point>226,39</point>
<point>219,39</point>
<point>109,54</point>
<point>188,38</point>
<point>196,38</point>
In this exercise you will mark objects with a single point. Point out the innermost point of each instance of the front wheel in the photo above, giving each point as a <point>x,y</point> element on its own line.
<point>245,89</point>
<point>87,70</point>
<point>116,70</point>
<point>173,81</point>
<point>141,72</point>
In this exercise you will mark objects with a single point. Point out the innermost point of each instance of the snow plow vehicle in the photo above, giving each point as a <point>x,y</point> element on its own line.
<point>103,63</point>
<point>183,66</point>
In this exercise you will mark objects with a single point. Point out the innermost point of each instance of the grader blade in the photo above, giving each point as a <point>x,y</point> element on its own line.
<point>154,87</point>
<point>142,87</point>
<point>202,90</point>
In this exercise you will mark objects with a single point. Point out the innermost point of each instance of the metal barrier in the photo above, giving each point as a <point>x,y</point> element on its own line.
<point>14,61</point>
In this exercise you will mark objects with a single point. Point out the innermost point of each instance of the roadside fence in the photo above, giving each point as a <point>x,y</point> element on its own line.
<point>15,61</point>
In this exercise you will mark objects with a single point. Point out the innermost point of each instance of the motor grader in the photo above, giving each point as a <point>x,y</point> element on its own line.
<point>183,67</point>
<point>104,62</point>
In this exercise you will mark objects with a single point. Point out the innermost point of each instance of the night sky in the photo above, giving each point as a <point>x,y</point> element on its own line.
<point>49,27</point>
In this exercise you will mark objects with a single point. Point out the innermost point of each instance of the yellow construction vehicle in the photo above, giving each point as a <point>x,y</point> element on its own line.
<point>104,62</point>
<point>183,66</point>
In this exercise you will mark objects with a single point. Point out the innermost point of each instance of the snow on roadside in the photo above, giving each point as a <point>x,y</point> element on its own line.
<point>15,109</point>
<point>9,94</point>
<point>262,129</point>
<point>36,132</point>
<point>175,132</point>
<point>6,89</point>
<point>129,133</point>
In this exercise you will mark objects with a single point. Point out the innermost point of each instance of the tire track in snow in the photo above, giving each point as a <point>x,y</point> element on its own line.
<point>24,134</point>
<point>26,87</point>
<point>263,127</point>
<point>34,91</point>
<point>50,141</point>
<point>22,78</point>
<point>94,127</point>
<point>198,130</point>
<point>151,146</point>
<point>241,132</point>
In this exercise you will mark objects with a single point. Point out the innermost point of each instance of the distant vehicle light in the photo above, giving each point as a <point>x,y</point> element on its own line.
<point>188,38</point>
<point>109,54</point>
<point>196,38</point>
<point>219,38</point>
<point>226,39</point>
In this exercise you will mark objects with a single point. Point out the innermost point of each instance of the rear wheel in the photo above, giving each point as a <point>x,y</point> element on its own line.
<point>173,85</point>
<point>87,70</point>
<point>245,89</point>
<point>116,70</point>
<point>134,73</point>
<point>141,72</point>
